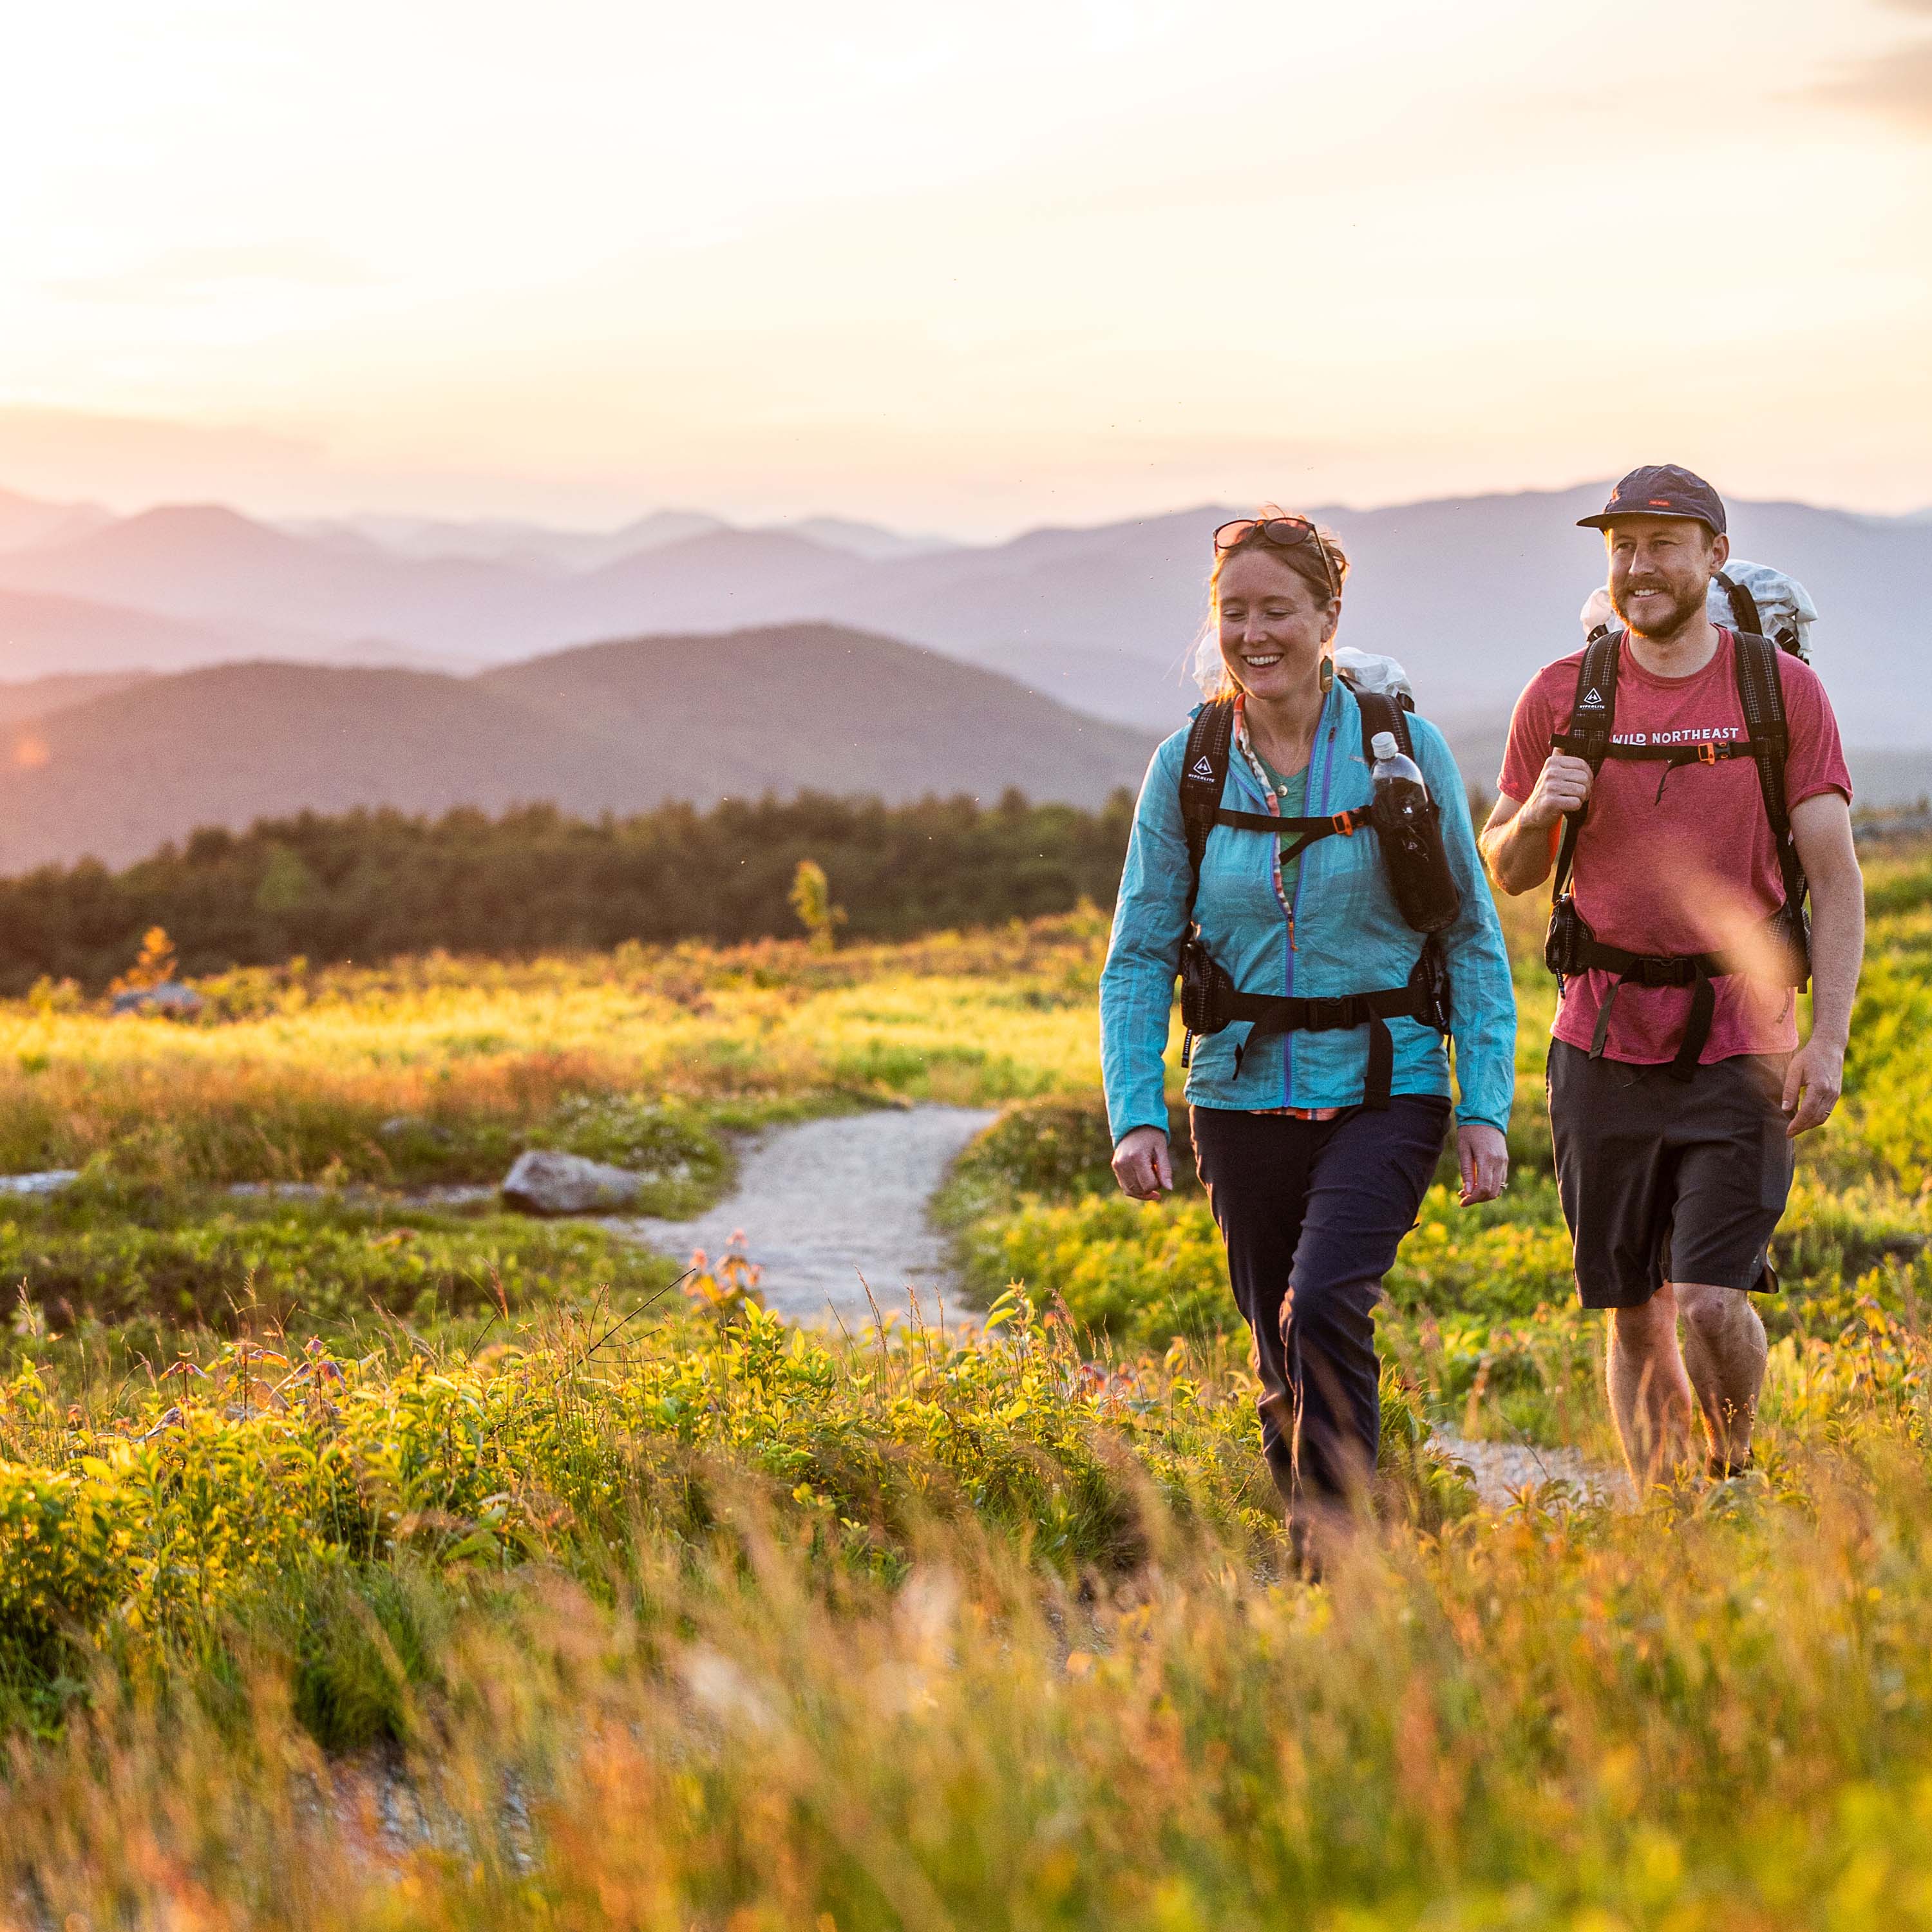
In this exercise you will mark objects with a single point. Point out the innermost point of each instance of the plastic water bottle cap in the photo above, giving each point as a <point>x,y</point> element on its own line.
<point>1383,745</point>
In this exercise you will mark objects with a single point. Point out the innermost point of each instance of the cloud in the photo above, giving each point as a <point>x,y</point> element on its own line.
<point>193,273</point>
<point>1897,85</point>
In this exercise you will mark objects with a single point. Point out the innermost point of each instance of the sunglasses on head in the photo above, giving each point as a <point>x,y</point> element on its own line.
<point>1282,533</point>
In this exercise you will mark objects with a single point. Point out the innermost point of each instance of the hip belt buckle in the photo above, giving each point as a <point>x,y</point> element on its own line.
<point>1662,972</point>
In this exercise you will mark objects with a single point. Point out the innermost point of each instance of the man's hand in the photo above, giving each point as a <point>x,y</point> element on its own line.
<point>1813,1081</point>
<point>1519,844</point>
<point>1482,1155</point>
<point>1821,829</point>
<point>1142,1165</point>
<point>1563,786</point>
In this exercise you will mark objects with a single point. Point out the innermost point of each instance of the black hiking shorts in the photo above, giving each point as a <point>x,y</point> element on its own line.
<point>1665,1180</point>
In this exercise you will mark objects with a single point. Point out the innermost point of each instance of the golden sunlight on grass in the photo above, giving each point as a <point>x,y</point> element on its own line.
<point>368,1563</point>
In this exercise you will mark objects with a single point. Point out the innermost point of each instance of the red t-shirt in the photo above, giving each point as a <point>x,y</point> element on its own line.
<point>1693,871</point>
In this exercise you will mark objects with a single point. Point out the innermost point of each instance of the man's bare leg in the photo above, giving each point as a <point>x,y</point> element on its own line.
<point>1724,1351</point>
<point>1650,1394</point>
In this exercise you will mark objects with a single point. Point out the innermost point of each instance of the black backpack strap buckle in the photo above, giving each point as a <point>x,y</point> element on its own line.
<point>1703,753</point>
<point>1654,971</point>
<point>1327,1012</point>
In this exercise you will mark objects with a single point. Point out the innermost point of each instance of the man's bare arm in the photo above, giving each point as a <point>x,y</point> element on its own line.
<point>1519,844</point>
<point>1821,829</point>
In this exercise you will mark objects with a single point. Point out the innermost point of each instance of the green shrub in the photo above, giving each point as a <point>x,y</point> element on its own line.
<point>1057,1148</point>
<point>252,1495</point>
<point>1137,1273</point>
<point>1489,1263</point>
<point>88,1263</point>
<point>69,1561</point>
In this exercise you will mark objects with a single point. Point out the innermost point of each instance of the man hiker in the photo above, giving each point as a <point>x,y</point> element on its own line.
<point>1686,782</point>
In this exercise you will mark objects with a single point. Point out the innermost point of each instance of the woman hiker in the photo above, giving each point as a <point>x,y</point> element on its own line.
<point>1318,1081</point>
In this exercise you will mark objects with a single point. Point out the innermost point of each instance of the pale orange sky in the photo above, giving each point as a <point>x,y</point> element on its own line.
<point>966,267</point>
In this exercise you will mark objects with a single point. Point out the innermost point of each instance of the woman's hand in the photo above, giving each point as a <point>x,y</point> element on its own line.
<point>1142,1165</point>
<point>1481,1153</point>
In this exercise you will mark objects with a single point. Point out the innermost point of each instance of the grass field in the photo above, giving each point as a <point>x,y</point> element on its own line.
<point>366,1562</point>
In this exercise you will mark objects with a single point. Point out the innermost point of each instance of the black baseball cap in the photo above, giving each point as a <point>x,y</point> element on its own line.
<point>1660,490</point>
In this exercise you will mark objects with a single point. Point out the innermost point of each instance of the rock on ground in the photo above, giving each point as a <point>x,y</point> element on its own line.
<point>543,1182</point>
<point>169,997</point>
<point>49,1181</point>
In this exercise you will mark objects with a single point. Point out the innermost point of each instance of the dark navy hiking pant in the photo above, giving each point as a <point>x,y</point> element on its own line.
<point>1312,1212</point>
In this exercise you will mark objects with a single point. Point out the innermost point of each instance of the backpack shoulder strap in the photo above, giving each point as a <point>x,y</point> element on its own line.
<point>1380,712</point>
<point>1593,717</point>
<point>1593,711</point>
<point>1204,771</point>
<point>1761,693</point>
<point>1744,605</point>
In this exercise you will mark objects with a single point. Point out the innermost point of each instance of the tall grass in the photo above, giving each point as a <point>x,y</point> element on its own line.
<point>1706,1714</point>
<point>565,1609</point>
<point>142,1527</point>
<point>439,1070</point>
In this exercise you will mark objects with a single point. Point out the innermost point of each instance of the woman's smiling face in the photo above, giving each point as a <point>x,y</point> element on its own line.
<point>1273,626</point>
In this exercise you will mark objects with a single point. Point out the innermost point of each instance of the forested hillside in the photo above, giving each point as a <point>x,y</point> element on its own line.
<point>620,727</point>
<point>370,885</point>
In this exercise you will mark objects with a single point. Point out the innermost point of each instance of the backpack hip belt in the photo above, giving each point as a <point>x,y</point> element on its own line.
<point>1571,947</point>
<point>1425,999</point>
<point>1210,1001</point>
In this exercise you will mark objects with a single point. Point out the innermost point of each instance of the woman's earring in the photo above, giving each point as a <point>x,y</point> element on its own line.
<point>1327,675</point>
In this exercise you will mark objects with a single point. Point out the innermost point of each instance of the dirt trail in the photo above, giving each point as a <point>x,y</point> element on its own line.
<point>820,1204</point>
<point>824,1202</point>
<point>1502,1469</point>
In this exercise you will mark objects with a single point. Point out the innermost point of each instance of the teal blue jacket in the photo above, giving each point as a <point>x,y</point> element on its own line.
<point>1340,933</point>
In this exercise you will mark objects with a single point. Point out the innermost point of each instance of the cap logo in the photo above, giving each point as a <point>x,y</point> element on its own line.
<point>1659,503</point>
<point>1202,768</point>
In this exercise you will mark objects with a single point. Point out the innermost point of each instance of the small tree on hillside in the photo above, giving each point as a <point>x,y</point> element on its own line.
<point>154,964</point>
<point>811,900</point>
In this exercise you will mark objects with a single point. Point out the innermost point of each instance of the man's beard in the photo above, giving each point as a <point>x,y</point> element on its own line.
<point>1683,609</point>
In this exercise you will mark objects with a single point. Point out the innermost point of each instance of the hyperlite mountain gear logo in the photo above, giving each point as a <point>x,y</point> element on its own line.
<point>1593,699</point>
<point>1202,768</point>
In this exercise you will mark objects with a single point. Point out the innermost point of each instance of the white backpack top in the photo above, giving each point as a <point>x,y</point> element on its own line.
<point>1365,671</point>
<point>1785,610</point>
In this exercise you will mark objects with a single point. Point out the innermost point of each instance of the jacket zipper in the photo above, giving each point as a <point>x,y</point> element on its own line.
<point>1325,739</point>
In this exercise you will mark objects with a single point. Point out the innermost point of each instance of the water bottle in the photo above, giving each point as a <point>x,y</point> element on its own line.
<point>1393,766</point>
<point>1409,825</point>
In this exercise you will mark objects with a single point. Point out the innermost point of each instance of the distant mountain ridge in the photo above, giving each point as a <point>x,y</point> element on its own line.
<point>26,522</point>
<point>1472,595</point>
<point>43,635</point>
<point>504,540</point>
<point>619,727</point>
